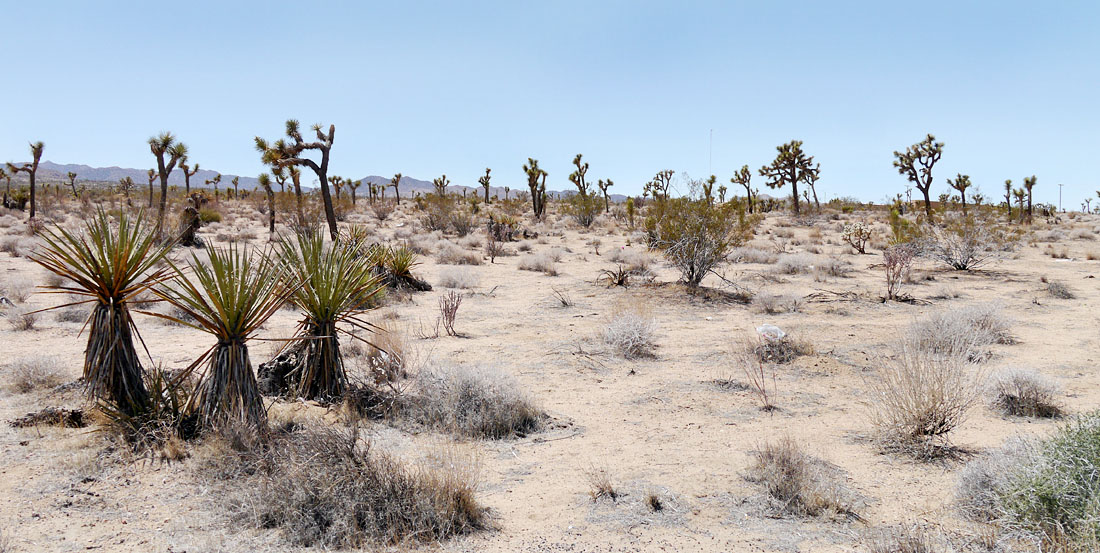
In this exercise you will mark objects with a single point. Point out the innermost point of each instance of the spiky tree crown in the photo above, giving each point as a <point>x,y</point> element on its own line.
<point>916,162</point>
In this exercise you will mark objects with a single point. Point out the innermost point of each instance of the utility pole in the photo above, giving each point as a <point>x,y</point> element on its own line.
<point>710,159</point>
<point>1060,185</point>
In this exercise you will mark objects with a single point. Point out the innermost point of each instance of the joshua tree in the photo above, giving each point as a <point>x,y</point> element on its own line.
<point>236,192</point>
<point>108,264</point>
<point>286,154</point>
<point>1008,199</point>
<point>161,145</point>
<point>152,178</point>
<point>395,183</point>
<point>353,185</point>
<point>538,191</point>
<point>217,179</point>
<point>265,183</point>
<point>722,193</point>
<point>31,169</point>
<point>790,167</point>
<point>72,184</point>
<point>812,181</point>
<point>6,176</point>
<point>1029,183</point>
<point>1020,194</point>
<point>916,164</point>
<point>961,183</point>
<point>125,185</point>
<point>506,190</point>
<point>440,185</point>
<point>188,172</point>
<point>230,296</point>
<point>743,177</point>
<point>658,187</point>
<point>1087,205</point>
<point>577,176</point>
<point>484,182</point>
<point>337,185</point>
<point>604,185</point>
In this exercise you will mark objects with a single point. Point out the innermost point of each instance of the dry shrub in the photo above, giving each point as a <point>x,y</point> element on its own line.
<point>772,304</point>
<point>919,397</point>
<point>977,492</point>
<point>451,254</point>
<point>833,267</point>
<point>599,480</point>
<point>1059,290</point>
<point>458,277</point>
<point>794,264</point>
<point>387,356</point>
<point>631,330</point>
<point>34,373</point>
<point>17,289</point>
<point>781,350</point>
<point>16,246</point>
<point>903,540</point>
<point>753,255</point>
<point>800,484</point>
<point>1024,393</point>
<point>21,319</point>
<point>475,402</point>
<point>73,314</point>
<point>541,262</point>
<point>325,487</point>
<point>962,332</point>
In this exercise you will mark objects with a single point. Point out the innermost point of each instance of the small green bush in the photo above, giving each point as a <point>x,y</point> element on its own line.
<point>207,215</point>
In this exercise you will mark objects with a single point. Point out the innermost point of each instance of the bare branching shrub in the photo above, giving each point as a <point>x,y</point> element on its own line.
<point>387,356</point>
<point>800,484</point>
<point>962,332</point>
<point>696,234</point>
<point>599,482</point>
<point>897,261</point>
<point>34,373</point>
<point>919,396</point>
<point>451,254</point>
<point>475,402</point>
<point>1024,393</point>
<point>21,320</point>
<point>1059,290</point>
<point>833,267</point>
<point>966,243</point>
<point>540,262</point>
<point>794,264</point>
<point>448,310</point>
<point>325,487</point>
<point>759,376</point>
<point>631,330</point>
<point>458,277</point>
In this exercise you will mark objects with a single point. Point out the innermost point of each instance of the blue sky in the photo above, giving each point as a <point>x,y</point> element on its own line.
<point>425,88</point>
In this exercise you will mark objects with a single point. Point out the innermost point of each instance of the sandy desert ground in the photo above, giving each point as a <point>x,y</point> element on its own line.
<point>661,425</point>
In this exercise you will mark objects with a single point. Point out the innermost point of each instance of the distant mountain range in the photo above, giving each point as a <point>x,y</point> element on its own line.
<point>50,172</point>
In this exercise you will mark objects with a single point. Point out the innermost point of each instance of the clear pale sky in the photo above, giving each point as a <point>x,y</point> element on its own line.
<point>425,88</point>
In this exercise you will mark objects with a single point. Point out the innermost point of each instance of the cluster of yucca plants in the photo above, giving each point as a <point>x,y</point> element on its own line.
<point>333,284</point>
<point>110,263</point>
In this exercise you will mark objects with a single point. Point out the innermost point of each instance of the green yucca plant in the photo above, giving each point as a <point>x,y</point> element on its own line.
<point>109,263</point>
<point>334,285</point>
<point>230,297</point>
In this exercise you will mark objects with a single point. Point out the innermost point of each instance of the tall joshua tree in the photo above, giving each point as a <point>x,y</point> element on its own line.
<point>285,154</point>
<point>265,183</point>
<point>31,169</point>
<point>236,191</point>
<point>811,180</point>
<point>916,163</point>
<point>1008,199</point>
<point>165,145</point>
<point>577,176</point>
<point>1029,183</point>
<point>217,179</point>
<point>604,185</point>
<point>538,191</point>
<point>395,183</point>
<point>659,186</point>
<point>743,177</point>
<point>337,185</point>
<point>353,185</point>
<point>961,183</point>
<point>484,182</point>
<point>790,167</point>
<point>72,184</point>
<point>152,174</point>
<point>440,185</point>
<point>188,172</point>
<point>125,185</point>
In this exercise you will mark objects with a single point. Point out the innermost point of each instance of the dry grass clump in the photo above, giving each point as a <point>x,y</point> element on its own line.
<point>33,373</point>
<point>73,314</point>
<point>902,541</point>
<point>1059,290</point>
<point>17,289</point>
<point>747,254</point>
<point>541,262</point>
<point>458,277</point>
<point>21,320</point>
<point>833,267</point>
<point>451,254</point>
<point>919,397</point>
<point>599,480</point>
<point>1082,234</point>
<point>772,304</point>
<point>980,482</point>
<point>475,402</point>
<point>794,264</point>
<point>324,487</point>
<point>781,350</point>
<point>1024,393</point>
<point>16,246</point>
<point>800,484</point>
<point>631,330</point>
<point>962,331</point>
